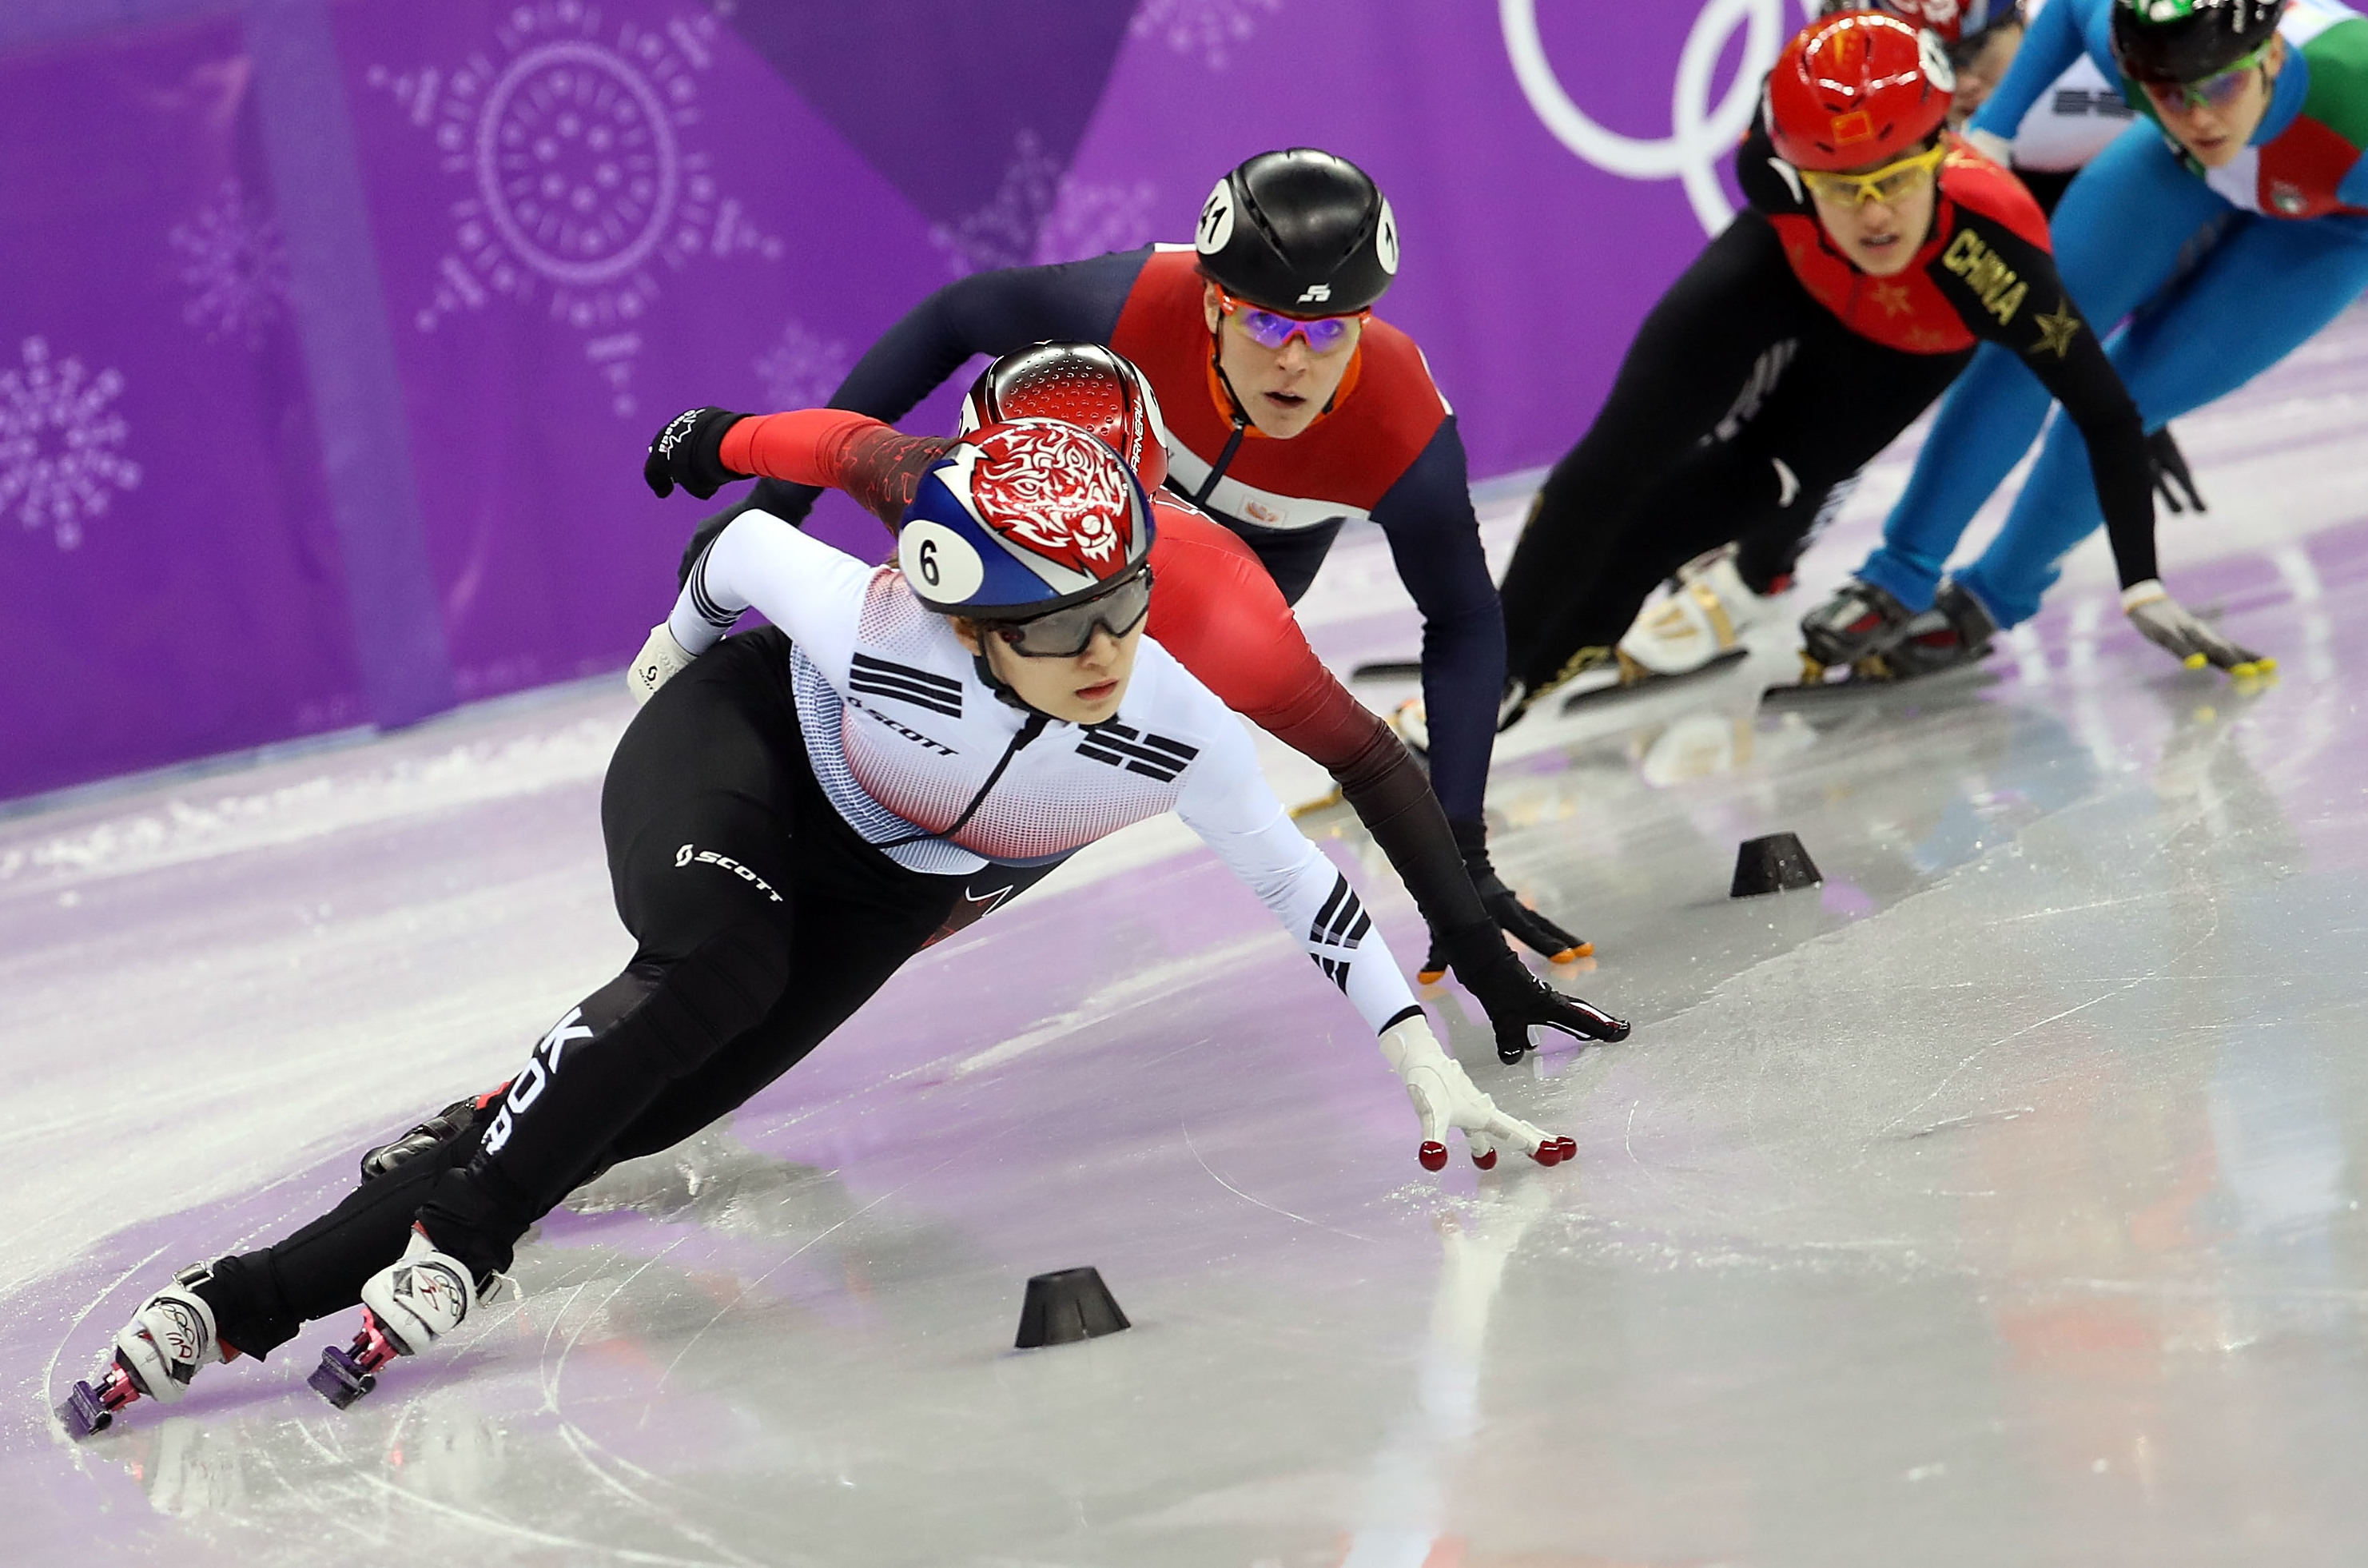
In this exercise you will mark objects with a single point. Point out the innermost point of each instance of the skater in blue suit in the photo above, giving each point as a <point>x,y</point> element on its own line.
<point>2255,115</point>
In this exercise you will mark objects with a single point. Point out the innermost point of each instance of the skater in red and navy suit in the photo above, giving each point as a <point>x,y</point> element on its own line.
<point>1293,410</point>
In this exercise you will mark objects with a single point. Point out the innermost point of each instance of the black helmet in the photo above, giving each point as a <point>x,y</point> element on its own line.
<point>1300,232</point>
<point>2186,40</point>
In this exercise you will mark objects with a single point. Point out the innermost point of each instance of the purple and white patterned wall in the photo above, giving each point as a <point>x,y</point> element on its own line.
<point>331,333</point>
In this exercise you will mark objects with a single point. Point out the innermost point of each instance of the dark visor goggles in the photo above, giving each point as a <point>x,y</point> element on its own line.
<point>1069,631</point>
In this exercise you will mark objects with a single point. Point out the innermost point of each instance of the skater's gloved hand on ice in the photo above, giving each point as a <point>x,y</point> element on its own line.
<point>1445,1096</point>
<point>1524,924</point>
<point>689,453</point>
<point>1515,1000</point>
<point>2172,627</point>
<point>661,659</point>
<point>2171,479</point>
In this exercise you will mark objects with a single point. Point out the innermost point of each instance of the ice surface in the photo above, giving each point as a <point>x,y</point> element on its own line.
<point>1993,1203</point>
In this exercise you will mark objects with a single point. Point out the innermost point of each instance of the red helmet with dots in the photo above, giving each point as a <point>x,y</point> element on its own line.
<point>1085,384</point>
<point>1857,89</point>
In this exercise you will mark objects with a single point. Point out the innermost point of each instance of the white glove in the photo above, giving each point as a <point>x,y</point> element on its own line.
<point>661,659</point>
<point>1444,1097</point>
<point>2173,627</point>
<point>1991,145</point>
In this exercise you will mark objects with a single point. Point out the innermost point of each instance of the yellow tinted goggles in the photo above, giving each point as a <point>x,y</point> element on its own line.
<point>1889,183</point>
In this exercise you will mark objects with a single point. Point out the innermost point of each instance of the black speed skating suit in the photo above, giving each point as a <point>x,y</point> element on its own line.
<point>1772,370</point>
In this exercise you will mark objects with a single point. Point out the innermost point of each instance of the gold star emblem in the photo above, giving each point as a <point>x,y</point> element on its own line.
<point>1893,299</point>
<point>2056,331</point>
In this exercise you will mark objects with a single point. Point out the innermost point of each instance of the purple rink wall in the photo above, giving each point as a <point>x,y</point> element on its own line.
<point>331,333</point>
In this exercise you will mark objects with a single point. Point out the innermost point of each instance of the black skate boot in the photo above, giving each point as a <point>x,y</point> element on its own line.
<point>1860,623</point>
<point>452,1119</point>
<point>1954,632</point>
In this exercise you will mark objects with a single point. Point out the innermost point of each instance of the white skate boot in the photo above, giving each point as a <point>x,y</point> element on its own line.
<point>1699,624</point>
<point>406,1306</point>
<point>155,1354</point>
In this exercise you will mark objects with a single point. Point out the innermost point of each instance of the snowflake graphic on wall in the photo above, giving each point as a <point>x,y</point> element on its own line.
<point>1090,219</point>
<point>1206,28</point>
<point>575,147</point>
<point>61,443</point>
<point>801,370</point>
<point>1003,232</point>
<point>234,264</point>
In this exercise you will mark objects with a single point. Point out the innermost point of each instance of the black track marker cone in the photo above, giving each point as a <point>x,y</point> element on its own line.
<point>1066,1307</point>
<point>1772,864</point>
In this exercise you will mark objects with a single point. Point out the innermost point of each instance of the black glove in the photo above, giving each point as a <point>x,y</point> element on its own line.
<point>2170,475</point>
<point>1515,999</point>
<point>688,452</point>
<point>1526,925</point>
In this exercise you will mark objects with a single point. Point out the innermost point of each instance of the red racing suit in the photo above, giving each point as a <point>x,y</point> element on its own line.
<point>1387,451</point>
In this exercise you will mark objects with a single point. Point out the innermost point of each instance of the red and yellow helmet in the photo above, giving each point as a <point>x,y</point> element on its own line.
<point>1857,89</point>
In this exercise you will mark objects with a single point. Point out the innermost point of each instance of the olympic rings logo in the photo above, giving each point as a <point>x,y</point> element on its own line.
<point>1699,134</point>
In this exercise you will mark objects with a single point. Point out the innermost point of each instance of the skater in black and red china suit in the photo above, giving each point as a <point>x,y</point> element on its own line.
<point>1878,251</point>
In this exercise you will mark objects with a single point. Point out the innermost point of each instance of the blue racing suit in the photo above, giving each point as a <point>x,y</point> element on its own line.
<point>2287,231</point>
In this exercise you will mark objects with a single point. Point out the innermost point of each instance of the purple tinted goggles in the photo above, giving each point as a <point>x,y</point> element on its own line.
<point>1272,329</point>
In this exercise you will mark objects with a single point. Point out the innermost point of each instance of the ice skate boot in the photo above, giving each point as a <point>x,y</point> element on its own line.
<point>1697,625</point>
<point>444,1124</point>
<point>156,1354</point>
<point>406,1306</point>
<point>1954,632</point>
<point>1858,624</point>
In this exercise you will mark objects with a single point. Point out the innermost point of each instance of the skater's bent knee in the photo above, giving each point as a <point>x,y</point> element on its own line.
<point>477,1216</point>
<point>721,990</point>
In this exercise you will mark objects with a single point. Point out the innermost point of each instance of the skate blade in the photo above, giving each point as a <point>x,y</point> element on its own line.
<point>1388,669</point>
<point>1653,683</point>
<point>83,1413</point>
<point>340,1379</point>
<point>1856,688</point>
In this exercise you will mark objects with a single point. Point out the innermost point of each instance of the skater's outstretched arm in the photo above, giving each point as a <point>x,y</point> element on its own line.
<point>1434,540</point>
<point>808,589</point>
<point>2000,275</point>
<point>987,312</point>
<point>1228,804</point>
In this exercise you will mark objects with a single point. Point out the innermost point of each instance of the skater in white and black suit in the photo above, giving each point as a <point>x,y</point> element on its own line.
<point>790,818</point>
